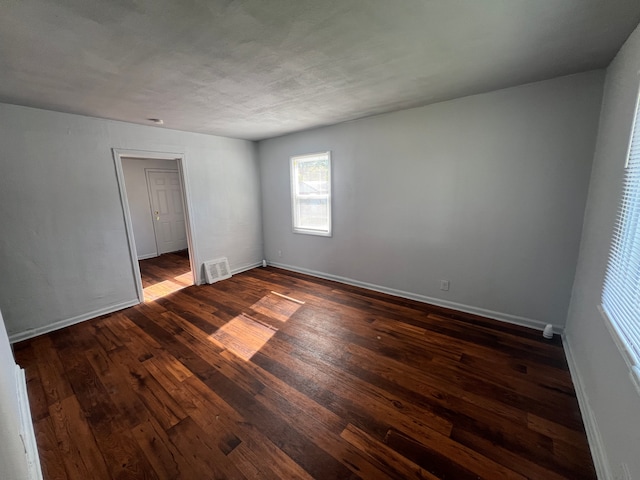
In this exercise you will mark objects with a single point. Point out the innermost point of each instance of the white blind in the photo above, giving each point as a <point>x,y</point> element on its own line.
<point>621,292</point>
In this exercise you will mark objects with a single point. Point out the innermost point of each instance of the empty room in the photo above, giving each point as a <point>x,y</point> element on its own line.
<point>295,239</point>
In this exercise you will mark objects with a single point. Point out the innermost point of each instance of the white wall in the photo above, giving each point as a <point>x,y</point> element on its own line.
<point>63,247</point>
<point>602,373</point>
<point>139,205</point>
<point>13,462</point>
<point>486,191</point>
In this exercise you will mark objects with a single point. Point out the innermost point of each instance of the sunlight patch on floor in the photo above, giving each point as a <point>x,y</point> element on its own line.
<point>186,279</point>
<point>243,336</point>
<point>277,306</point>
<point>166,287</point>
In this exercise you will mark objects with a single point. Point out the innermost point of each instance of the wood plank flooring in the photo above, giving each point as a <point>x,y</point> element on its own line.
<point>165,274</point>
<point>338,383</point>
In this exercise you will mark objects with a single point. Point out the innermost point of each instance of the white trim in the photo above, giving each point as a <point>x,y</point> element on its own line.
<point>34,332</point>
<point>148,154</point>
<point>618,306</point>
<point>126,212</point>
<point>633,127</point>
<point>634,373</point>
<point>505,317</point>
<point>598,453</point>
<point>180,158</point>
<point>194,255</point>
<point>26,427</point>
<point>148,255</point>
<point>293,183</point>
<point>246,267</point>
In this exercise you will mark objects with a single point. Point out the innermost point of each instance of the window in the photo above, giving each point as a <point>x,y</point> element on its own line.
<point>621,292</point>
<point>311,193</point>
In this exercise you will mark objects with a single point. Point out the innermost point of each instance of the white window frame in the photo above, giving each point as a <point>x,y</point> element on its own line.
<point>619,308</point>
<point>297,228</point>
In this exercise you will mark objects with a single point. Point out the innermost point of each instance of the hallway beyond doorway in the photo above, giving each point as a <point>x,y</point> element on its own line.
<point>165,274</point>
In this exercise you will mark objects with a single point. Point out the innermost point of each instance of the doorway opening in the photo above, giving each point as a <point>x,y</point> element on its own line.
<point>155,204</point>
<point>165,274</point>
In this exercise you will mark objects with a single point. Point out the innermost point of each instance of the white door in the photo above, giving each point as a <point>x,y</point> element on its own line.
<point>165,196</point>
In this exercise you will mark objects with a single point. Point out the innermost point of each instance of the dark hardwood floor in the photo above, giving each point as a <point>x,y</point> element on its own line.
<point>235,380</point>
<point>165,274</point>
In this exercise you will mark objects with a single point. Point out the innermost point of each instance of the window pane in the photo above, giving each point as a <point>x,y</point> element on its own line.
<point>313,177</point>
<point>311,193</point>
<point>313,213</point>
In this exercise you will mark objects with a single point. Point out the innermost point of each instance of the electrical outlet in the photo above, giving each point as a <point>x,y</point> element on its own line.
<point>444,285</point>
<point>280,253</point>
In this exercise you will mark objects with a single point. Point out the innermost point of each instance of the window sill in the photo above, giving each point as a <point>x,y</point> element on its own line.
<point>312,232</point>
<point>627,355</point>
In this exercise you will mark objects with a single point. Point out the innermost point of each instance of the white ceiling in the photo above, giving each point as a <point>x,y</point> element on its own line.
<point>261,68</point>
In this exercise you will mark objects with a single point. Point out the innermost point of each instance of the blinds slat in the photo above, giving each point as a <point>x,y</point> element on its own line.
<point>621,291</point>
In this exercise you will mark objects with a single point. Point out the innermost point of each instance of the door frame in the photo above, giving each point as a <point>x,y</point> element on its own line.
<point>180,158</point>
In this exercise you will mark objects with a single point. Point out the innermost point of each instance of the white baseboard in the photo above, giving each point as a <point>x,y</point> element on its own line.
<point>246,267</point>
<point>504,317</point>
<point>34,332</point>
<point>598,453</point>
<point>148,255</point>
<point>26,427</point>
